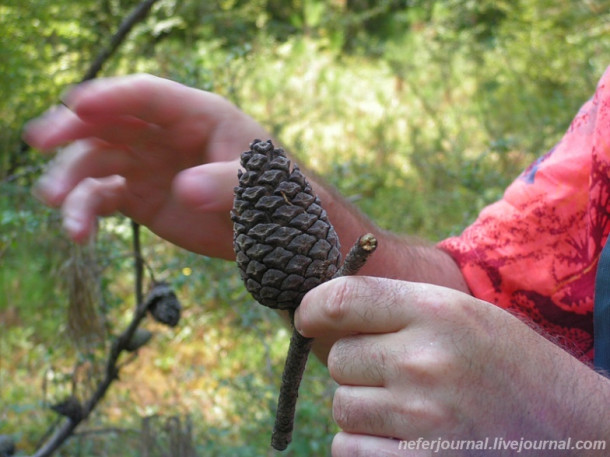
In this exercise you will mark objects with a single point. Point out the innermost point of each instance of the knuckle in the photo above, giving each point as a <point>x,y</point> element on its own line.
<point>353,413</point>
<point>428,364</point>
<point>144,78</point>
<point>322,307</point>
<point>90,184</point>
<point>83,191</point>
<point>426,414</point>
<point>369,361</point>
<point>336,306</point>
<point>345,412</point>
<point>334,361</point>
<point>95,192</point>
<point>344,445</point>
<point>340,352</point>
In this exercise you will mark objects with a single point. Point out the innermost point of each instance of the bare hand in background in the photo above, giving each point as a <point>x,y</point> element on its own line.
<point>129,144</point>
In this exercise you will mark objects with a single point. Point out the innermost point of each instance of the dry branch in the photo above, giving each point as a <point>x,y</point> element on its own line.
<point>67,427</point>
<point>299,349</point>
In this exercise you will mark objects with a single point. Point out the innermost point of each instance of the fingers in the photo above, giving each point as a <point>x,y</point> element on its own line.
<point>59,125</point>
<point>155,100</point>
<point>358,304</point>
<point>382,412</point>
<point>354,445</point>
<point>91,198</point>
<point>121,110</point>
<point>365,410</point>
<point>55,127</point>
<point>80,160</point>
<point>364,360</point>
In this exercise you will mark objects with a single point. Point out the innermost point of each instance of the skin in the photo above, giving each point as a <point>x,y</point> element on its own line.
<point>415,356</point>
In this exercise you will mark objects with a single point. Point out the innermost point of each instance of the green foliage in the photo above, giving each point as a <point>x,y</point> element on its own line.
<point>419,112</point>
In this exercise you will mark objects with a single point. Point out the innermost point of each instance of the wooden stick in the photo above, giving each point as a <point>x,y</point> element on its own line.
<point>299,349</point>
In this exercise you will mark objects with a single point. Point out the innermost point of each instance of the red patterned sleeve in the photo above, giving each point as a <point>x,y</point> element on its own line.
<point>535,252</point>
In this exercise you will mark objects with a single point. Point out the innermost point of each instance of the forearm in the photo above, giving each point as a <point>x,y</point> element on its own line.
<point>397,257</point>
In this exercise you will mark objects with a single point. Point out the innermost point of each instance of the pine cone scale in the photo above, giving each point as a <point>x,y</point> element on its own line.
<point>259,251</point>
<point>286,213</point>
<point>260,232</point>
<point>302,244</point>
<point>255,270</point>
<point>278,258</point>
<point>297,264</point>
<point>304,200</point>
<point>271,176</point>
<point>269,202</point>
<point>254,193</point>
<point>283,236</point>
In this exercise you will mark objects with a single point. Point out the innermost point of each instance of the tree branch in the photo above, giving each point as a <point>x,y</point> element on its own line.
<point>138,262</point>
<point>119,345</point>
<point>300,346</point>
<point>112,372</point>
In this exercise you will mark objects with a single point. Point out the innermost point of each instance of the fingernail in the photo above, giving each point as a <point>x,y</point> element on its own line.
<point>76,229</point>
<point>45,191</point>
<point>39,132</point>
<point>69,96</point>
<point>297,322</point>
<point>72,225</point>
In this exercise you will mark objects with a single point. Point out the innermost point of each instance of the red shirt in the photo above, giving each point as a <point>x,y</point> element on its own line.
<point>535,252</point>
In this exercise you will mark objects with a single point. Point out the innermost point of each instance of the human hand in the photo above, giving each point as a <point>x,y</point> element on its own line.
<point>161,153</point>
<point>421,362</point>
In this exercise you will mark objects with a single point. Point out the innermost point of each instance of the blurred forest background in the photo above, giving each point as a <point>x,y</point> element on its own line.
<point>418,111</point>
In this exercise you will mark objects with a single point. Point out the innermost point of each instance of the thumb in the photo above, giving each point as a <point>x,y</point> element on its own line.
<point>207,187</point>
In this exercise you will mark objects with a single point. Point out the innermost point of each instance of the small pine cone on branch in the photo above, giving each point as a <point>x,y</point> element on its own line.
<point>70,407</point>
<point>163,304</point>
<point>283,240</point>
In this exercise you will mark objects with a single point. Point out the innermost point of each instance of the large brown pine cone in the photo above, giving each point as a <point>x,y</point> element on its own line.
<point>284,243</point>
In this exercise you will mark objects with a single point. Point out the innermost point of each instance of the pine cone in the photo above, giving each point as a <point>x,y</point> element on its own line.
<point>283,240</point>
<point>163,304</point>
<point>70,407</point>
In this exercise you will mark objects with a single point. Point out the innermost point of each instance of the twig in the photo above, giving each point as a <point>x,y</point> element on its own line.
<point>120,344</point>
<point>112,372</point>
<point>103,431</point>
<point>357,256</point>
<point>300,347</point>
<point>296,360</point>
<point>138,261</point>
